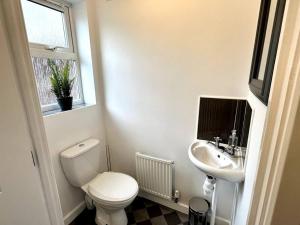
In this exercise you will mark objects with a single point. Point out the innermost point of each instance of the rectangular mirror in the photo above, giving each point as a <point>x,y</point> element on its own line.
<point>265,49</point>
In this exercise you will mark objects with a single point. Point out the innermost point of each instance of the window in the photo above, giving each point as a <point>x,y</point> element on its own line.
<point>50,37</point>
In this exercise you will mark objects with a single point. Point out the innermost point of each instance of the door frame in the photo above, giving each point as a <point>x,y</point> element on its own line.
<point>283,105</point>
<point>16,34</point>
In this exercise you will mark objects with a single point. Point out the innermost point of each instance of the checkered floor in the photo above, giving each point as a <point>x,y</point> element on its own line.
<point>140,212</point>
<point>145,212</point>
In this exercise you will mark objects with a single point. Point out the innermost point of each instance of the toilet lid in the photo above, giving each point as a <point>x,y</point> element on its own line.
<point>112,186</point>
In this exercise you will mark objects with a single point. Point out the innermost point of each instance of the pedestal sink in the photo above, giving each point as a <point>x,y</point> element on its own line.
<point>216,164</point>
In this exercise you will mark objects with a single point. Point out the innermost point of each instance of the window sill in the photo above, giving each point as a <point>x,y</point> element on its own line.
<point>58,111</point>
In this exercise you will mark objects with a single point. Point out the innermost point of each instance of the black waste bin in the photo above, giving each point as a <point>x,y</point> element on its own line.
<point>198,211</point>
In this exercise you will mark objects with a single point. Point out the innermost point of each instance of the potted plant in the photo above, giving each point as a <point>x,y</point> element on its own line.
<point>61,84</point>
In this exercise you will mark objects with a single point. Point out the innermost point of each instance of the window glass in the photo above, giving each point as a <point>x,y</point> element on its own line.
<point>42,73</point>
<point>44,25</point>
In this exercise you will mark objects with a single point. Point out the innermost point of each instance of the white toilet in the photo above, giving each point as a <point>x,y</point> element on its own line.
<point>111,192</point>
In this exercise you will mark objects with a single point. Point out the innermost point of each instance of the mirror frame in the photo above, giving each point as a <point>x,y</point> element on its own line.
<point>261,88</point>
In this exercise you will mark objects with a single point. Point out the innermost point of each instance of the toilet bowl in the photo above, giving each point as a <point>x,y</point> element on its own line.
<point>110,192</point>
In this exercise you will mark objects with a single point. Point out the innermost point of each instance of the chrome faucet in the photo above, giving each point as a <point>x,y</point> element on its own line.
<point>232,143</point>
<point>230,150</point>
<point>217,142</point>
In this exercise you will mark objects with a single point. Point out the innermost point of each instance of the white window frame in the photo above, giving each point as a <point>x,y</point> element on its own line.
<point>57,52</point>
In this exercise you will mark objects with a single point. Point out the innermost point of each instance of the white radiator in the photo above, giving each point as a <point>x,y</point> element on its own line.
<point>155,175</point>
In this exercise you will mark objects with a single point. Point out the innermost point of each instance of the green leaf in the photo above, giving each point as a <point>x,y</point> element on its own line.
<point>60,79</point>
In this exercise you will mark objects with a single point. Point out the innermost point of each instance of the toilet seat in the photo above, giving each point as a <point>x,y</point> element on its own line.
<point>112,188</point>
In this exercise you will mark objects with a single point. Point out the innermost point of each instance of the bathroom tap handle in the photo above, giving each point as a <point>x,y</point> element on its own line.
<point>217,140</point>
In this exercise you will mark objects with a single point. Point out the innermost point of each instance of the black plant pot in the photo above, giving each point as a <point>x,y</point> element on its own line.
<point>65,103</point>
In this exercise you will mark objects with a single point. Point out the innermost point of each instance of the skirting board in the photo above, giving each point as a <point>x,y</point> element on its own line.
<point>177,206</point>
<point>74,213</point>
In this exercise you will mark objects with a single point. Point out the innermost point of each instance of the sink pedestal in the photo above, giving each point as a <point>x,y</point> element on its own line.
<point>214,201</point>
<point>210,189</point>
<point>234,204</point>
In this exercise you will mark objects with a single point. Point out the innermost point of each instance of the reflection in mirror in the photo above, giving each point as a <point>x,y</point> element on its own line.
<point>267,42</point>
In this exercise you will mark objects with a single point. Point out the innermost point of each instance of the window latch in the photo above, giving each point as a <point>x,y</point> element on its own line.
<point>51,48</point>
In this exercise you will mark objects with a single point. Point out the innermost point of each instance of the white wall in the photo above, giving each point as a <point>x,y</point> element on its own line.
<point>68,128</point>
<point>253,156</point>
<point>64,130</point>
<point>158,57</point>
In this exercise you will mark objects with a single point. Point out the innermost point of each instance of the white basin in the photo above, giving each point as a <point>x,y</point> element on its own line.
<point>215,163</point>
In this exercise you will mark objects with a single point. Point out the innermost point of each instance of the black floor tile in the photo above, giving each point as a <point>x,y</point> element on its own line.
<point>172,218</point>
<point>130,218</point>
<point>87,217</point>
<point>140,215</point>
<point>146,222</point>
<point>148,203</point>
<point>154,211</point>
<point>138,203</point>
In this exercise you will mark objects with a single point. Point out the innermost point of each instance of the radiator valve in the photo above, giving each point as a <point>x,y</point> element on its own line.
<point>176,195</point>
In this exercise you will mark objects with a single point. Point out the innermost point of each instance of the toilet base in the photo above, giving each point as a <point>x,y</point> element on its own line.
<point>110,217</point>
